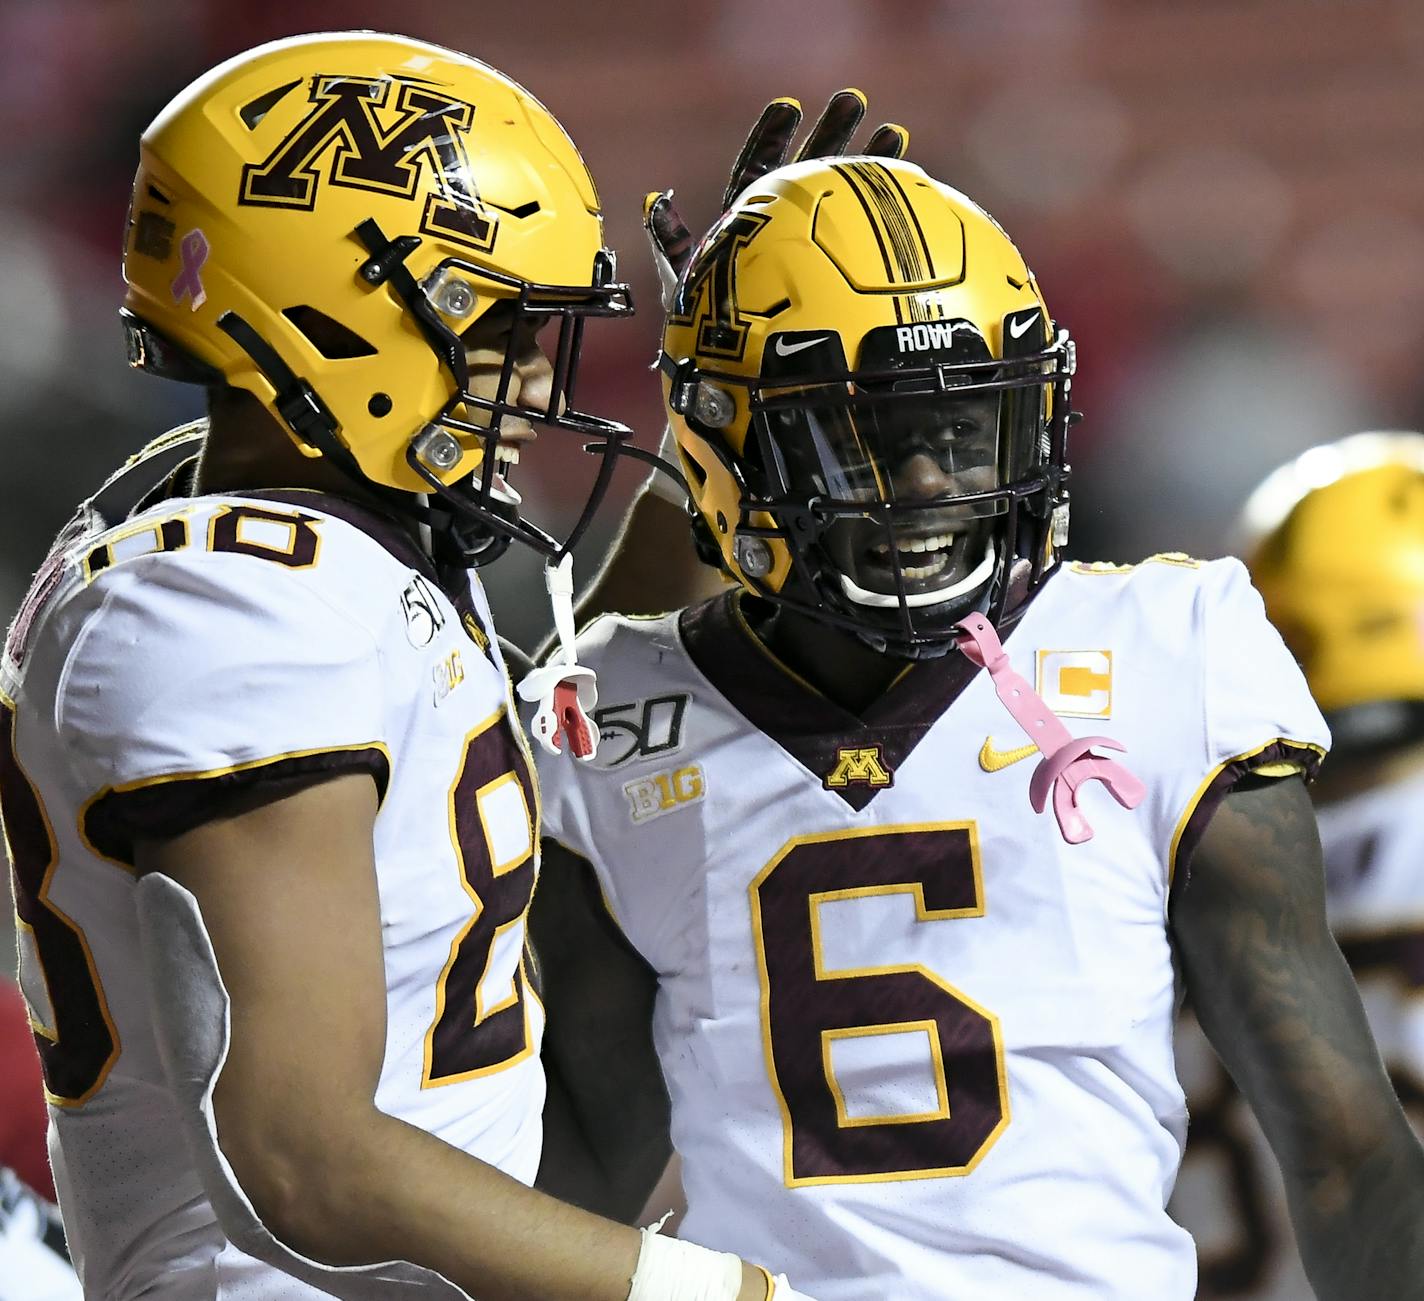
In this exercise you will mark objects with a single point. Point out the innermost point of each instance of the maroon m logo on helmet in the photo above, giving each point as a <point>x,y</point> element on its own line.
<point>712,274</point>
<point>429,132</point>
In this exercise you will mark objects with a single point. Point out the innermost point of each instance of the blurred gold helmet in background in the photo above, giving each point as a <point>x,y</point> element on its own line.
<point>844,320</point>
<point>1335,543</point>
<point>319,220</point>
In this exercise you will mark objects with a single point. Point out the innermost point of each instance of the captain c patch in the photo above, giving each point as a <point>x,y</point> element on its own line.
<point>1076,684</point>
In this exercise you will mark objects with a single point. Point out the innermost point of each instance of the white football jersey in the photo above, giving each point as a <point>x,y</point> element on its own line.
<point>1230,1195</point>
<point>200,645</point>
<point>917,1045</point>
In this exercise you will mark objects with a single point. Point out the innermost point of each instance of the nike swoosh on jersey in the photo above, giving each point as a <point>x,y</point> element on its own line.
<point>992,760</point>
<point>784,349</point>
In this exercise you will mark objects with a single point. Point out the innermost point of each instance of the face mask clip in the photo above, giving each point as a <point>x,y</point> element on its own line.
<point>387,255</point>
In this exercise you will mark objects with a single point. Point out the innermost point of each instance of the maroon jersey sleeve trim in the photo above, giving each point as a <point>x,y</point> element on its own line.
<point>168,806</point>
<point>1301,756</point>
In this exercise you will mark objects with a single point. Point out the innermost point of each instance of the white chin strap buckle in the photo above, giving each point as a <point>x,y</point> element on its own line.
<point>566,691</point>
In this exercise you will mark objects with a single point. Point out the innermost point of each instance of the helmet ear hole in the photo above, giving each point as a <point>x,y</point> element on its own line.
<point>328,336</point>
<point>708,552</point>
<point>253,112</point>
<point>698,474</point>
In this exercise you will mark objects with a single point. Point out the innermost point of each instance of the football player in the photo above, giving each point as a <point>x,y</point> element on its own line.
<point>1335,542</point>
<point>273,826</point>
<point>909,838</point>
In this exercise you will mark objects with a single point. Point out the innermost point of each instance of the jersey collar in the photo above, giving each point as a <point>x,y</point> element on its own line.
<point>828,740</point>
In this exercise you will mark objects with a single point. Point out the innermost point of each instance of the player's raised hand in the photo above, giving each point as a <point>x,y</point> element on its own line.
<point>770,138</point>
<point>765,149</point>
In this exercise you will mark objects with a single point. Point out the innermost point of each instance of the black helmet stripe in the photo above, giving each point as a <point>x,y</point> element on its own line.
<point>886,201</point>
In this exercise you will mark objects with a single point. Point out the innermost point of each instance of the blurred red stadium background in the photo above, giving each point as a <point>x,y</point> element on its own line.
<point>1223,200</point>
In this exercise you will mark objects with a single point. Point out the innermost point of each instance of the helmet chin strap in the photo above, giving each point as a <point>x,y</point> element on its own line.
<point>976,577</point>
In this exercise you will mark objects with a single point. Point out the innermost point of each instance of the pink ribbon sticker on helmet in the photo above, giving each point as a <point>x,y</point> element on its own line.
<point>1067,760</point>
<point>194,252</point>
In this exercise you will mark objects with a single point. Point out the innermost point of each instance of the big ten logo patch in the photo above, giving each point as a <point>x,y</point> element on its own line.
<point>1076,684</point>
<point>859,765</point>
<point>640,729</point>
<point>448,675</point>
<point>663,792</point>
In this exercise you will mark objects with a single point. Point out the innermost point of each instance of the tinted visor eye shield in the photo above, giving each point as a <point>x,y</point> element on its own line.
<point>908,466</point>
<point>927,418</point>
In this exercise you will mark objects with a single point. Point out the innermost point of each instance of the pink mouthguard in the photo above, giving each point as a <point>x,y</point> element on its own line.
<point>1067,760</point>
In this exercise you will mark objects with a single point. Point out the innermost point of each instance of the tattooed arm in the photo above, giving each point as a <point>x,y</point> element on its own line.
<point>1281,1008</point>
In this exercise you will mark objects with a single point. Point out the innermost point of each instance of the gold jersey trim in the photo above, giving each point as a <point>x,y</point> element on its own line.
<point>1185,820</point>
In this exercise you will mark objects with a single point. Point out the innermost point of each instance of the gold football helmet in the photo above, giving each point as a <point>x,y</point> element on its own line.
<point>1335,543</point>
<point>870,401</point>
<point>318,221</point>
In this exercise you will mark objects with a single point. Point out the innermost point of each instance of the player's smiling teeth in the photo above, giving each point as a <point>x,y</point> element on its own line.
<point>917,572</point>
<point>935,549</point>
<point>506,454</point>
<point>940,542</point>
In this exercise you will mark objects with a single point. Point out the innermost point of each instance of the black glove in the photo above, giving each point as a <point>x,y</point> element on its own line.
<point>764,151</point>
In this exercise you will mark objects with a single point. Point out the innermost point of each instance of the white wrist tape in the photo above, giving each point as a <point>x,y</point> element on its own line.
<point>670,1270</point>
